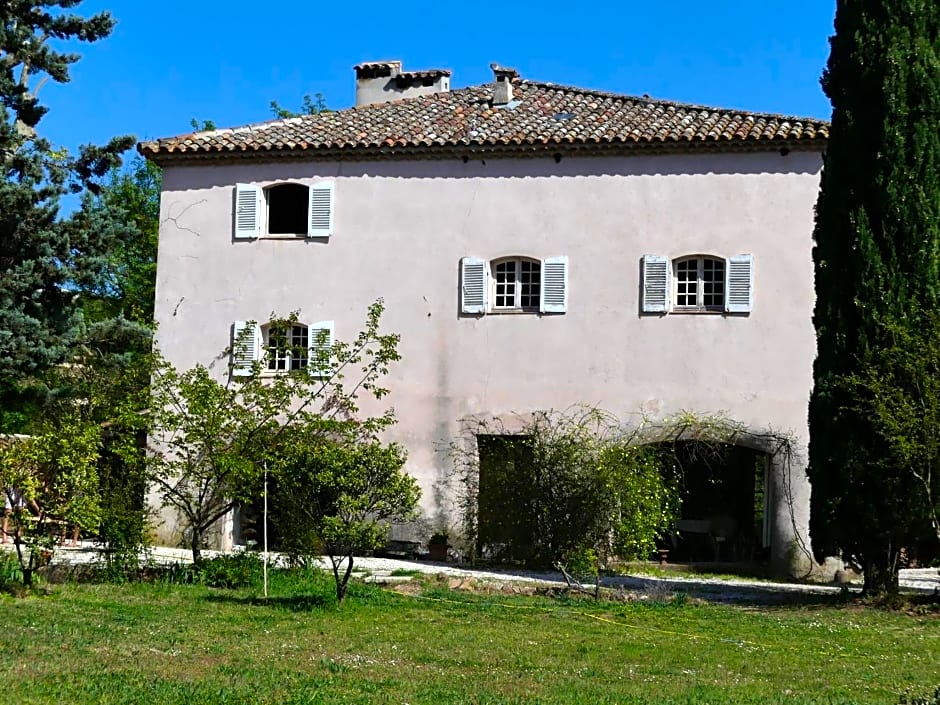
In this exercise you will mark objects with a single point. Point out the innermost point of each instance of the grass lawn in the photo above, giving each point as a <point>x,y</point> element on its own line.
<point>154,643</point>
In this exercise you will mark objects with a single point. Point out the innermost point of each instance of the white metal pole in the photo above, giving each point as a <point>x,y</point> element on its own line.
<point>265,530</point>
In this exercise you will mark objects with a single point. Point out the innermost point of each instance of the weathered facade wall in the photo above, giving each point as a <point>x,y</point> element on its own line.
<point>401,229</point>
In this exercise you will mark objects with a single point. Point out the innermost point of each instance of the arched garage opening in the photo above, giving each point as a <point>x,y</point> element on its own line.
<point>725,515</point>
<point>746,499</point>
<point>724,490</point>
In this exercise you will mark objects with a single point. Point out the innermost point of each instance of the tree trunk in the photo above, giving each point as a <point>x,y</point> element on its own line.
<point>342,582</point>
<point>196,545</point>
<point>881,573</point>
<point>26,565</point>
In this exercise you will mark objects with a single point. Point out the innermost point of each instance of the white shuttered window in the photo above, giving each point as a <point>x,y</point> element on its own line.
<point>246,347</point>
<point>284,209</point>
<point>248,207</point>
<point>282,347</point>
<point>320,210</point>
<point>321,348</point>
<point>514,285</point>
<point>655,284</point>
<point>698,284</point>
<point>740,284</point>
<point>473,285</point>
<point>554,297</point>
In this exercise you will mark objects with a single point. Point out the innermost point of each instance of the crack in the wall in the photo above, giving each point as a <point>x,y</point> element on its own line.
<point>176,218</point>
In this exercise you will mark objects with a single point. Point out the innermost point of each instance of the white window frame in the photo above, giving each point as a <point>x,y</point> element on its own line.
<point>678,283</point>
<point>266,197</point>
<point>517,284</point>
<point>283,360</point>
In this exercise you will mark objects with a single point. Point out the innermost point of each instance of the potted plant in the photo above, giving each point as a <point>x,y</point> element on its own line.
<point>438,545</point>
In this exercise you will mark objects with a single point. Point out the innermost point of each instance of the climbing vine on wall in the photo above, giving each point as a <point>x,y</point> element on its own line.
<point>539,486</point>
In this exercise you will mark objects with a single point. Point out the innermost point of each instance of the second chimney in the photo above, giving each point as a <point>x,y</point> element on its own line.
<point>384,81</point>
<point>502,92</point>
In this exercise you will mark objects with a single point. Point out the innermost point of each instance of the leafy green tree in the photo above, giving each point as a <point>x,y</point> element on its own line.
<point>212,439</point>
<point>21,402</point>
<point>107,383</point>
<point>340,490</point>
<point>877,265</point>
<point>60,295</point>
<point>42,257</point>
<point>207,459</point>
<point>109,366</point>
<point>899,390</point>
<point>111,363</point>
<point>127,206</point>
<point>50,481</point>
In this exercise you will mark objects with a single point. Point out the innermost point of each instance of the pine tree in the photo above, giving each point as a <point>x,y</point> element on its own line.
<point>44,260</point>
<point>877,262</point>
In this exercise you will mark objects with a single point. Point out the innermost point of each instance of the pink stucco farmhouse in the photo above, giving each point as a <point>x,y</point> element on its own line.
<point>536,245</point>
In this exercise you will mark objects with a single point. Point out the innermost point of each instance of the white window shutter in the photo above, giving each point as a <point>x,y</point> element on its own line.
<point>246,347</point>
<point>739,285</point>
<point>553,293</point>
<point>248,207</point>
<point>655,284</point>
<point>473,285</point>
<point>321,346</point>
<point>321,204</point>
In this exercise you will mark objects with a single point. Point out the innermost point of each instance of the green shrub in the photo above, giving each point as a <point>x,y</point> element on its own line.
<point>235,570</point>
<point>10,572</point>
<point>910,698</point>
<point>581,564</point>
<point>562,484</point>
<point>123,512</point>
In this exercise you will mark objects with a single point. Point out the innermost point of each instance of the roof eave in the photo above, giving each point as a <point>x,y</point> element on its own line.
<point>460,151</point>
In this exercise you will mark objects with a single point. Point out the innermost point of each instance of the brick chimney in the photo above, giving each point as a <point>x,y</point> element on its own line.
<point>384,81</point>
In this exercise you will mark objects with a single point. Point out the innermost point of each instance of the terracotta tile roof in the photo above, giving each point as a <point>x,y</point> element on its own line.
<point>541,118</point>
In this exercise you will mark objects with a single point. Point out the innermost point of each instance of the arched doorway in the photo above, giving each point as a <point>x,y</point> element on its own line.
<point>725,515</point>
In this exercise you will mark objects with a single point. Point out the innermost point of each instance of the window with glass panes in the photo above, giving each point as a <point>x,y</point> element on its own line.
<point>700,283</point>
<point>287,347</point>
<point>517,284</point>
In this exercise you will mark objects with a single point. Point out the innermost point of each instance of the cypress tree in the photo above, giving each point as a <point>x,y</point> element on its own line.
<point>877,264</point>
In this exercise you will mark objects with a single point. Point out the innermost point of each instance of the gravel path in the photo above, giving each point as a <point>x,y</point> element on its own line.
<point>725,590</point>
<point>737,590</point>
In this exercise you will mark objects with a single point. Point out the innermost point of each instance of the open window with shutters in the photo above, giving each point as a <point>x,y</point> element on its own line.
<point>514,285</point>
<point>284,210</point>
<point>697,284</point>
<point>282,346</point>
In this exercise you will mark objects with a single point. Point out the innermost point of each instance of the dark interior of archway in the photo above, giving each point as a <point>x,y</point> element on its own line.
<point>722,515</point>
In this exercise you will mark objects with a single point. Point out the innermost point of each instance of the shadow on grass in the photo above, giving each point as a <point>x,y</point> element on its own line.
<point>757,595</point>
<point>293,603</point>
<point>296,597</point>
<point>660,589</point>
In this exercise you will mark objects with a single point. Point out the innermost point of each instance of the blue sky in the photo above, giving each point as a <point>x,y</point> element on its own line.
<point>226,61</point>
